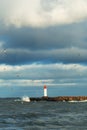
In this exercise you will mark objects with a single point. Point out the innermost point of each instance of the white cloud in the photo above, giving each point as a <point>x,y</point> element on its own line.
<point>29,83</point>
<point>25,82</point>
<point>57,66</point>
<point>39,74</point>
<point>8,68</point>
<point>39,13</point>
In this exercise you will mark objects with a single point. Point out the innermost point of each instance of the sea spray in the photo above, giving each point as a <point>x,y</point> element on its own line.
<point>25,99</point>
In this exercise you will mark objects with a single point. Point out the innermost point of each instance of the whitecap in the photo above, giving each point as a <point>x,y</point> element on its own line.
<point>77,101</point>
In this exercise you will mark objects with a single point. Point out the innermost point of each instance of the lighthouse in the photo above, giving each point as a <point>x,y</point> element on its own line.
<point>45,91</point>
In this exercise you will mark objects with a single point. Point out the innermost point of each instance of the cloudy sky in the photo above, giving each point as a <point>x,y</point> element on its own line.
<point>43,42</point>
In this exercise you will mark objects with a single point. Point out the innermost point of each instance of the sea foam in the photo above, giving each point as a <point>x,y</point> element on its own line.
<point>78,101</point>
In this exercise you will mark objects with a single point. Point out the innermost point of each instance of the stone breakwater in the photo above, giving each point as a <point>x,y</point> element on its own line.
<point>59,98</point>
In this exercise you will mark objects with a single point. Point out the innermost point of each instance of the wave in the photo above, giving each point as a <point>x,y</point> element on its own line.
<point>78,101</point>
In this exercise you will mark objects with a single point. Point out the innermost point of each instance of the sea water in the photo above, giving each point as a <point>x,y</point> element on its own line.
<point>16,114</point>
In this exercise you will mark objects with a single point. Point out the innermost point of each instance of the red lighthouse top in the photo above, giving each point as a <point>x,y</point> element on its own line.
<point>45,86</point>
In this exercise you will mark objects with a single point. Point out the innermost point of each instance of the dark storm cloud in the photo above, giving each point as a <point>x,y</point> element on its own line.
<point>37,39</point>
<point>21,56</point>
<point>47,38</point>
<point>65,44</point>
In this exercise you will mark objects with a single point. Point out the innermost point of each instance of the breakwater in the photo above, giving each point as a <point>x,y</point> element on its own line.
<point>59,98</point>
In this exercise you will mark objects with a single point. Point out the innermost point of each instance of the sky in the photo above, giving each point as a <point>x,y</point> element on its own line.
<point>43,42</point>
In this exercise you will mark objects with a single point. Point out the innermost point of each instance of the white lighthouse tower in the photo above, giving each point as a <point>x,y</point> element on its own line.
<point>45,91</point>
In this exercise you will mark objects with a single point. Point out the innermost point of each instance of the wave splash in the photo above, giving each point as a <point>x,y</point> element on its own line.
<point>25,99</point>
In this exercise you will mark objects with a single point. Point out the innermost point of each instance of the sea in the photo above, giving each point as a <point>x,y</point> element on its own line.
<point>22,114</point>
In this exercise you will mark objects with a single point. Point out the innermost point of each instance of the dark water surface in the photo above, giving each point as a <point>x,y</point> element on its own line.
<point>18,115</point>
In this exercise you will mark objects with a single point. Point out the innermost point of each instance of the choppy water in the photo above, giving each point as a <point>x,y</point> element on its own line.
<point>18,115</point>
